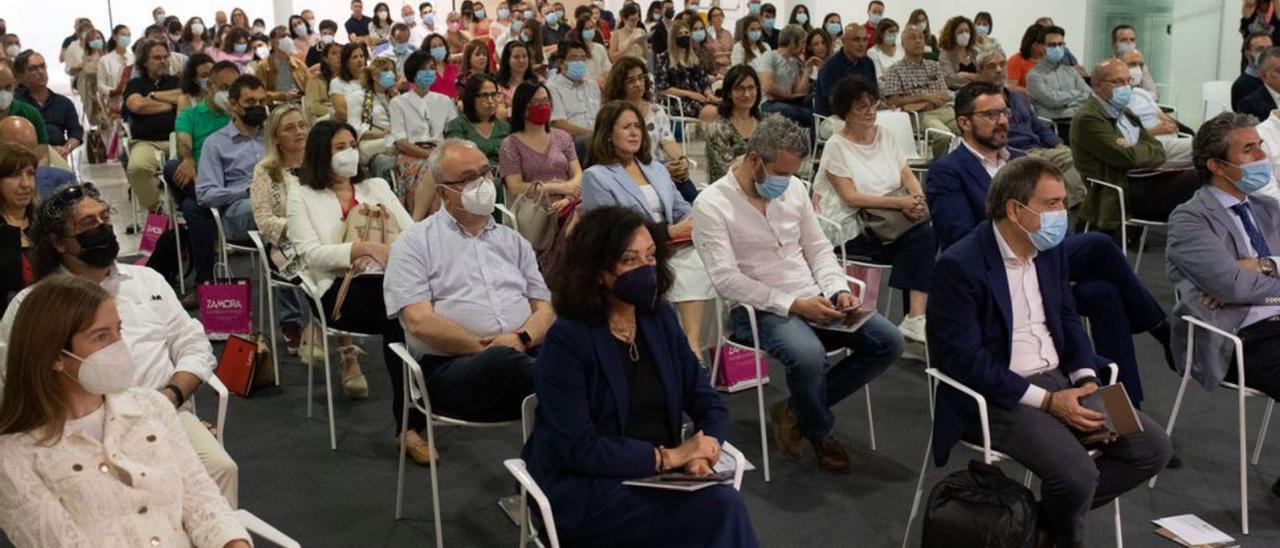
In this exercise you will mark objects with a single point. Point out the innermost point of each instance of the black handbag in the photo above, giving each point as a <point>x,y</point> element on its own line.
<point>979,507</point>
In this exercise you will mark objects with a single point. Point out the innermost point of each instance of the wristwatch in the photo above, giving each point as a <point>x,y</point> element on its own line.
<point>525,339</point>
<point>1267,266</point>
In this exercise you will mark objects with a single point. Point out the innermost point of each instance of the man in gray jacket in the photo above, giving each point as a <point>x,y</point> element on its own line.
<point>1056,89</point>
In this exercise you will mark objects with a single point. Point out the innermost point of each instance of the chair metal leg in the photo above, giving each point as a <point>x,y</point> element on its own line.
<point>1262,433</point>
<point>871,418</point>
<point>404,419</point>
<point>924,467</point>
<point>435,482</point>
<point>271,329</point>
<point>524,519</point>
<point>764,434</point>
<point>1142,246</point>
<point>1119,528</point>
<point>1244,470</point>
<point>328,386</point>
<point>1177,401</point>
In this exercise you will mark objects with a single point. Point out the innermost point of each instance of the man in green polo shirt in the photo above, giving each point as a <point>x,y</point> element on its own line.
<point>196,123</point>
<point>10,107</point>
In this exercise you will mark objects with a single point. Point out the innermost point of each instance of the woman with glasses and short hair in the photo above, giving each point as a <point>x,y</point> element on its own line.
<point>479,122</point>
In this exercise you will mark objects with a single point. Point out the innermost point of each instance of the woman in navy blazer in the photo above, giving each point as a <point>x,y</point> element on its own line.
<point>621,172</point>
<point>613,378</point>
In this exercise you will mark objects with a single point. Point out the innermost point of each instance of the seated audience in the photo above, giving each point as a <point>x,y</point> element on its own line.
<point>1108,141</point>
<point>195,124</point>
<point>851,59</point>
<point>629,37</point>
<point>18,131</point>
<point>759,237</point>
<point>283,74</point>
<point>235,48</point>
<point>111,68</point>
<point>69,400</point>
<point>479,123</point>
<point>150,101</point>
<point>884,51</point>
<point>302,35</point>
<point>227,160</point>
<point>574,99</point>
<point>679,73</point>
<point>1034,364</point>
<point>750,43</point>
<point>469,296</point>
<point>17,205</point>
<point>863,169</point>
<point>613,319</point>
<point>719,41</point>
<point>915,84</point>
<point>477,60</point>
<point>1177,147</point>
<point>192,39</point>
<point>71,233</point>
<point>418,121</point>
<point>959,67</point>
<point>316,101</point>
<point>623,173</point>
<point>85,82</point>
<point>1057,90</point>
<point>920,20</point>
<point>347,89</point>
<point>784,77</point>
<point>332,184</point>
<point>1106,290</point>
<point>400,47</point>
<point>1249,80</point>
<point>739,113</point>
<point>285,139</point>
<point>1262,101</point>
<point>62,122</point>
<point>629,81</point>
<point>374,124</point>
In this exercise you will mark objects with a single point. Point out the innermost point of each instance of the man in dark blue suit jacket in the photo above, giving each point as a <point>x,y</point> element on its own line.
<point>1248,81</point>
<point>1002,321</point>
<point>1262,101</point>
<point>851,60</point>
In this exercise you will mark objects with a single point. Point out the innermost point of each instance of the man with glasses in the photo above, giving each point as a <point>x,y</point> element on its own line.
<point>1177,146</point>
<point>1106,290</point>
<point>151,100</point>
<point>10,107</point>
<point>1056,89</point>
<point>852,59</point>
<point>62,122</point>
<point>71,233</point>
<point>470,297</point>
<point>1249,80</point>
<point>916,84</point>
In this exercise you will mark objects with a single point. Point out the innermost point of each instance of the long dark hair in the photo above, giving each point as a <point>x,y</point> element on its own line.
<point>469,92</point>
<point>600,149</point>
<point>504,69</point>
<point>595,246</point>
<point>615,84</point>
<point>520,103</point>
<point>317,157</point>
<point>731,79</point>
<point>324,60</point>
<point>190,79</point>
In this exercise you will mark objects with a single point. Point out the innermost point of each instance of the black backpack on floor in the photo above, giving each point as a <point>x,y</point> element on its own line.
<point>979,507</point>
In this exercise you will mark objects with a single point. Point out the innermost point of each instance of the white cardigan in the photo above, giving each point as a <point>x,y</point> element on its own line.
<point>316,228</point>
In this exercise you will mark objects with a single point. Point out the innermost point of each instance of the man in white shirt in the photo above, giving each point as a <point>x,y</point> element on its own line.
<point>72,234</point>
<point>575,99</point>
<point>1177,148</point>
<point>417,31</point>
<point>759,238</point>
<point>1002,322</point>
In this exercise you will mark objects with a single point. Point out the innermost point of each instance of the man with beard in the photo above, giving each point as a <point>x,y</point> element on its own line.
<point>1106,290</point>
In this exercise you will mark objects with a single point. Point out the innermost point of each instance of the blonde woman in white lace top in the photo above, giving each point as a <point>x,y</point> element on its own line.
<point>85,460</point>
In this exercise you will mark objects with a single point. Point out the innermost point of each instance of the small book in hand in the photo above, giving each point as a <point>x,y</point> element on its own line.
<point>1121,418</point>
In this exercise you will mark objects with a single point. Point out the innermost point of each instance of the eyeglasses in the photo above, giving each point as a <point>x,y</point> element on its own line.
<point>993,115</point>
<point>487,96</point>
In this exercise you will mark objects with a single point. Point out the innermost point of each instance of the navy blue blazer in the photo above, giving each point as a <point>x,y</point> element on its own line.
<point>1259,103</point>
<point>957,194</point>
<point>578,449</point>
<point>969,329</point>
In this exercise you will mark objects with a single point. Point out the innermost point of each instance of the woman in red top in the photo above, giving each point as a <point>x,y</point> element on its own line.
<point>17,196</point>
<point>1019,64</point>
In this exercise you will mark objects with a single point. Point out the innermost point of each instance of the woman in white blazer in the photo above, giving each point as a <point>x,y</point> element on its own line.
<point>332,184</point>
<point>622,172</point>
<point>86,460</point>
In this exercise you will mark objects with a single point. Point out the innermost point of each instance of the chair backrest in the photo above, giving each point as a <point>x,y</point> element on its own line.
<point>417,382</point>
<point>528,413</point>
<point>1217,97</point>
<point>898,124</point>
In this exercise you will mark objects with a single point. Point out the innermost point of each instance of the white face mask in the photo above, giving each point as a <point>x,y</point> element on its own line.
<point>962,39</point>
<point>197,28</point>
<point>286,45</point>
<point>479,196</point>
<point>110,370</point>
<point>6,99</point>
<point>262,52</point>
<point>12,50</point>
<point>326,39</point>
<point>1135,75</point>
<point>346,163</point>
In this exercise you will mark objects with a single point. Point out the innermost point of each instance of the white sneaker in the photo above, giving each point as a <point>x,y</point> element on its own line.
<point>912,327</point>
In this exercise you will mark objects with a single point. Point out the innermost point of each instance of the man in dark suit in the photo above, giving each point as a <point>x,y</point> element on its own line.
<point>1002,322</point>
<point>1108,292</point>
<point>1262,101</point>
<point>1248,81</point>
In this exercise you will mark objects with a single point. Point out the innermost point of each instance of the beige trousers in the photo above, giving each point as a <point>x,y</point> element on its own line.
<point>213,456</point>
<point>144,171</point>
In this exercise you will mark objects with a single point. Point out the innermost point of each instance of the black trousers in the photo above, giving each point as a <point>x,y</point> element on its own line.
<point>363,311</point>
<point>485,387</point>
<point>1261,357</point>
<point>912,255</point>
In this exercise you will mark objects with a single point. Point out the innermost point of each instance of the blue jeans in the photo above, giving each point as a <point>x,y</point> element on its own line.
<point>802,349</point>
<point>795,111</point>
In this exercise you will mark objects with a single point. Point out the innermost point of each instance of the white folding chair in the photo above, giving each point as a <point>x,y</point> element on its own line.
<point>953,140</point>
<point>1242,393</point>
<point>224,249</point>
<point>314,297</point>
<point>215,384</point>
<point>255,525</point>
<point>175,220</point>
<point>415,395</point>
<point>1217,97</point>
<point>270,282</point>
<point>846,262</point>
<point>989,455</point>
<point>898,124</point>
<point>1128,221</point>
<point>759,380</point>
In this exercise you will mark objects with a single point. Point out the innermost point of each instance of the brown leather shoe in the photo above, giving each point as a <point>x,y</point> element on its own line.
<point>785,431</point>
<point>418,449</point>
<point>832,456</point>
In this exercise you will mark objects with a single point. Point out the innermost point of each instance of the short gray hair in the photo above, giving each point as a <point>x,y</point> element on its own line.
<point>776,134</point>
<point>435,161</point>
<point>1266,54</point>
<point>1017,181</point>
<point>1210,142</point>
<point>986,53</point>
<point>791,34</point>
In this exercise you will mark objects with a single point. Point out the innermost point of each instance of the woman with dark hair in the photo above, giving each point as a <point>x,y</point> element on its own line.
<point>347,89</point>
<point>920,20</point>
<point>751,44</point>
<point>884,51</point>
<point>587,31</point>
<point>380,27</point>
<point>959,57</point>
<point>84,458</point>
<point>628,39</point>
<point>516,69</point>
<point>982,32</point>
<point>332,185</point>
<point>863,167</point>
<point>817,44</point>
<point>616,351</point>
<point>1019,64</point>
<point>194,81</point>
<point>477,60</point>
<point>418,122</point>
<point>737,118</point>
<point>479,122</point>
<point>302,35</point>
<point>239,19</point>
<point>235,48</point>
<point>316,100</point>
<point>833,25</point>
<point>622,172</point>
<point>193,37</point>
<point>719,40</point>
<point>541,160</point>
<point>17,205</point>
<point>800,16</point>
<point>111,67</point>
<point>446,82</point>
<point>679,73</point>
<point>629,81</point>
<point>531,36</point>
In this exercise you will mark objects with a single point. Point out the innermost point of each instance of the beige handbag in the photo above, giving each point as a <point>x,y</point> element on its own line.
<point>365,223</point>
<point>889,224</point>
<point>535,218</point>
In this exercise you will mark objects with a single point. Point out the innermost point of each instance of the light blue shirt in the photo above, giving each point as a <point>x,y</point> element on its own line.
<point>226,166</point>
<point>483,283</point>
<point>1256,313</point>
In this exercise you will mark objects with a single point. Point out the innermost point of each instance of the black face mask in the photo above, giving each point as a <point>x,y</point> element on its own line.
<point>98,246</point>
<point>669,14</point>
<point>682,41</point>
<point>254,116</point>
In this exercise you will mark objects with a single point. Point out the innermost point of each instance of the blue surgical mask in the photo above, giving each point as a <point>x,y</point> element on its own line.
<point>504,13</point>
<point>123,40</point>
<point>575,70</point>
<point>300,29</point>
<point>1053,228</point>
<point>528,14</point>
<point>387,79</point>
<point>1120,96</point>
<point>699,35</point>
<point>754,35</point>
<point>1055,53</point>
<point>425,78</point>
<point>982,30</point>
<point>517,25</point>
<point>1126,46</point>
<point>773,186</point>
<point>875,18</point>
<point>769,22</point>
<point>439,52</point>
<point>755,8</point>
<point>588,34</point>
<point>241,48</point>
<point>402,49</point>
<point>478,14</point>
<point>1253,175</point>
<point>891,39</point>
<point>802,18</point>
<point>526,37</point>
<point>552,18</point>
<point>429,19</point>
<point>834,29</point>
